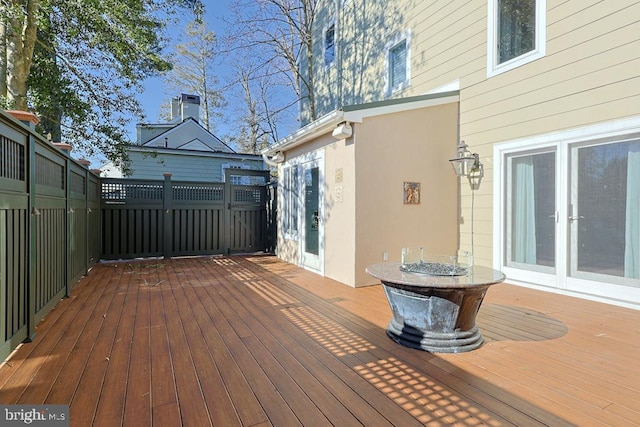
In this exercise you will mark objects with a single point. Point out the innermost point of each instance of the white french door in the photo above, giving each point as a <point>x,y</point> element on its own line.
<point>312,224</point>
<point>604,215</point>
<point>570,215</point>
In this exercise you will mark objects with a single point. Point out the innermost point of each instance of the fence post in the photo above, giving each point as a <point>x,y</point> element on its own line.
<point>167,207</point>
<point>227,212</point>
<point>32,228</point>
<point>69,222</point>
<point>87,221</point>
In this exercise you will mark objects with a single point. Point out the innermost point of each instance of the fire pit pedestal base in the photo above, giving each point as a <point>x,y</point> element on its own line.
<point>435,313</point>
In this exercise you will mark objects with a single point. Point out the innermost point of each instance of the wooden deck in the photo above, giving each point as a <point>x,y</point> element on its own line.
<point>253,341</point>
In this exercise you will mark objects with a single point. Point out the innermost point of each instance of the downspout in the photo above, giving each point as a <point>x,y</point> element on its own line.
<point>275,160</point>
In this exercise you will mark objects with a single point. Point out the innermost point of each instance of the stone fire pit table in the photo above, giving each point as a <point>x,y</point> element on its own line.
<point>433,312</point>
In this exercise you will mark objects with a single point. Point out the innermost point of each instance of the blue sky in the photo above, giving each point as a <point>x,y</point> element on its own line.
<point>156,93</point>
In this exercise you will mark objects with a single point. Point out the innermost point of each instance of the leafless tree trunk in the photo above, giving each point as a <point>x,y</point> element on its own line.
<point>252,121</point>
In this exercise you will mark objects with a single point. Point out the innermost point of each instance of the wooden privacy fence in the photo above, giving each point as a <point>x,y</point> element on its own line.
<point>145,218</point>
<point>49,228</point>
<point>57,219</point>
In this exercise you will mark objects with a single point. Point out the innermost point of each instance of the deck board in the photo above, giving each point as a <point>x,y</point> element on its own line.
<point>312,378</point>
<point>253,341</point>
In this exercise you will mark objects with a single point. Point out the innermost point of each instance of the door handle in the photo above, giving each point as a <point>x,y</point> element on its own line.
<point>575,218</point>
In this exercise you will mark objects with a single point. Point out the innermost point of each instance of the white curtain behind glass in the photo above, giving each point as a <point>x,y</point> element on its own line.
<point>524,212</point>
<point>632,226</point>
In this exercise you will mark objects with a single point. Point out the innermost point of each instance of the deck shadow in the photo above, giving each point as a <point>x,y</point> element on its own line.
<point>499,322</point>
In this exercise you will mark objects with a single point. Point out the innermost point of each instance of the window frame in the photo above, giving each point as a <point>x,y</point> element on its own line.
<point>325,49</point>
<point>235,179</point>
<point>405,38</point>
<point>290,202</point>
<point>493,67</point>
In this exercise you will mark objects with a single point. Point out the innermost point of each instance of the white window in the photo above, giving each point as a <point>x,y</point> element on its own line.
<point>330,45</point>
<point>398,64</point>
<point>517,33</point>
<point>290,204</point>
<point>236,179</point>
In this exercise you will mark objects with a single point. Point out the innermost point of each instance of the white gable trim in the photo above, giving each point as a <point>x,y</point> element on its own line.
<point>194,144</point>
<point>217,145</point>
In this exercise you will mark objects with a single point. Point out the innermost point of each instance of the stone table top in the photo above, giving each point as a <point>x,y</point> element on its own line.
<point>476,276</point>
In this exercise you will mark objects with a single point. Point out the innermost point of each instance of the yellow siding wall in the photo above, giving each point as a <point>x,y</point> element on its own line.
<point>590,74</point>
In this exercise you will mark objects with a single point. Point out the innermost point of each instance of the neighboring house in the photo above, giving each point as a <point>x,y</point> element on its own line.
<point>183,148</point>
<point>547,92</point>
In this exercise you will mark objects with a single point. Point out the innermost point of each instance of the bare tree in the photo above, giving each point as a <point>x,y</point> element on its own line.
<point>277,33</point>
<point>193,70</point>
<point>250,136</point>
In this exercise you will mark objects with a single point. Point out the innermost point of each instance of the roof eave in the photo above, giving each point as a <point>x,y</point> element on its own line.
<point>306,133</point>
<point>356,113</point>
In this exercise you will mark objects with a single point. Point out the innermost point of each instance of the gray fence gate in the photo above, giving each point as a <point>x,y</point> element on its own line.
<point>144,218</point>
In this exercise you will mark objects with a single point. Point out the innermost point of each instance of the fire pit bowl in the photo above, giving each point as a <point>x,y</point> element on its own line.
<point>437,311</point>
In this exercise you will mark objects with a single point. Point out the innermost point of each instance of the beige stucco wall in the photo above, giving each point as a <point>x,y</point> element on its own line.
<point>412,146</point>
<point>340,211</point>
<point>338,208</point>
<point>364,211</point>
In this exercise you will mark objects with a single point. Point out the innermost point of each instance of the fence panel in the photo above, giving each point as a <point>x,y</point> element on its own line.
<point>198,218</point>
<point>43,245</point>
<point>77,217</point>
<point>94,239</point>
<point>248,218</point>
<point>133,218</point>
<point>50,241</point>
<point>146,218</point>
<point>13,278</point>
<point>51,271</point>
<point>14,204</point>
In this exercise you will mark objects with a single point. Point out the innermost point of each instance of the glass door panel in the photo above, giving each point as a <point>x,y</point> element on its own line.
<point>604,211</point>
<point>312,225</point>
<point>531,211</point>
<point>311,212</point>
